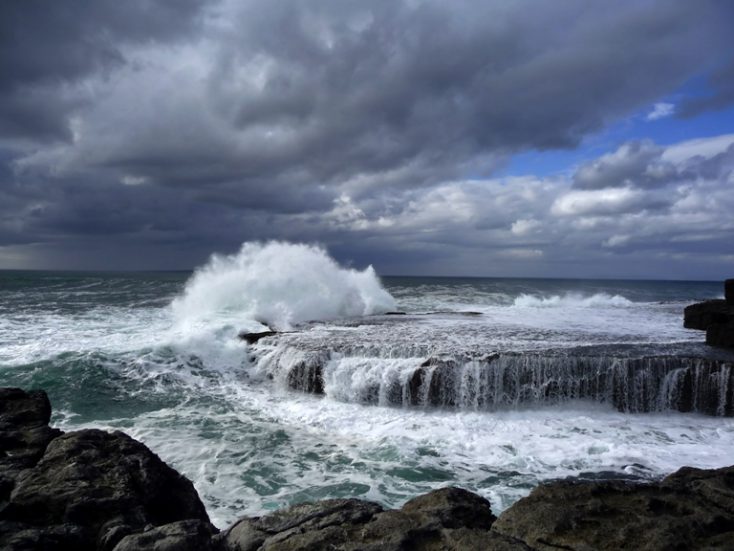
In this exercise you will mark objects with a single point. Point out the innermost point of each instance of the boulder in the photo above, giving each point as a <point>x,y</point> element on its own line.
<point>704,314</point>
<point>450,518</point>
<point>184,535</point>
<point>24,434</point>
<point>690,509</point>
<point>99,487</point>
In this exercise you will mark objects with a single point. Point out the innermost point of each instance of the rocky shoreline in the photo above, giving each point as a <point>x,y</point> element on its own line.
<point>91,489</point>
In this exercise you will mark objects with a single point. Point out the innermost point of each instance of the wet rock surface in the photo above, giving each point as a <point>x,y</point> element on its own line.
<point>91,489</point>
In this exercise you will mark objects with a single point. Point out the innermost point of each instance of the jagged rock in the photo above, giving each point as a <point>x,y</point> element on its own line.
<point>100,486</point>
<point>185,535</point>
<point>729,291</point>
<point>690,509</point>
<point>24,434</point>
<point>450,518</point>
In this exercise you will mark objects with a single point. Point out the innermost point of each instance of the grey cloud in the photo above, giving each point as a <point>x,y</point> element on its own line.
<point>644,165</point>
<point>47,46</point>
<point>253,120</point>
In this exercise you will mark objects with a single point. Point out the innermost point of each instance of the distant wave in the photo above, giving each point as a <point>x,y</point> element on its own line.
<point>571,300</point>
<point>279,284</point>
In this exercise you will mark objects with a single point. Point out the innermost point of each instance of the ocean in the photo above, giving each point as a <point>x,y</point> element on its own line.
<point>378,388</point>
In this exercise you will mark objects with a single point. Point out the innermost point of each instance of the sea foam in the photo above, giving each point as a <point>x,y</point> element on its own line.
<point>571,300</point>
<point>279,285</point>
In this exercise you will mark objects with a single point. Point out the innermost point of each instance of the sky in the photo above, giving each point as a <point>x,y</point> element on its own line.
<point>482,138</point>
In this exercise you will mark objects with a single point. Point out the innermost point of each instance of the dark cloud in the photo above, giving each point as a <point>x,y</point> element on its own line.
<point>369,126</point>
<point>47,46</point>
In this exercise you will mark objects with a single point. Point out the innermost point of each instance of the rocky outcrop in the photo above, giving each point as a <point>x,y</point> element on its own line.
<point>450,518</point>
<point>716,317</point>
<point>690,509</point>
<point>91,489</point>
<point>24,434</point>
<point>86,489</point>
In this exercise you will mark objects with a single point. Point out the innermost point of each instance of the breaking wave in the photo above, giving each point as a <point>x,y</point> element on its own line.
<point>280,285</point>
<point>571,300</point>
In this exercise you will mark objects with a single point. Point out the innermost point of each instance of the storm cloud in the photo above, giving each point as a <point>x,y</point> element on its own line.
<point>147,135</point>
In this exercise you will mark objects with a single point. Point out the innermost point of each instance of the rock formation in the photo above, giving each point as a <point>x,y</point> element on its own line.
<point>716,317</point>
<point>91,489</point>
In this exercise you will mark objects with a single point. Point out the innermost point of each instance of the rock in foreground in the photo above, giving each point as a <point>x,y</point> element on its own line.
<point>86,489</point>
<point>450,518</point>
<point>690,509</point>
<point>91,489</point>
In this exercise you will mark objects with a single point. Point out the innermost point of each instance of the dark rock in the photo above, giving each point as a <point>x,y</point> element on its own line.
<point>104,486</point>
<point>691,509</point>
<point>185,535</point>
<point>395,314</point>
<point>704,314</point>
<point>252,338</point>
<point>449,518</point>
<point>310,523</point>
<point>729,291</point>
<point>24,434</point>
<point>721,334</point>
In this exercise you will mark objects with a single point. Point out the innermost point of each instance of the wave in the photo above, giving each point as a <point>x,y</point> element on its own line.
<point>571,300</point>
<point>280,285</point>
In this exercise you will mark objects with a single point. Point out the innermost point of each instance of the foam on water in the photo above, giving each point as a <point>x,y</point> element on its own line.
<point>571,301</point>
<point>250,450</point>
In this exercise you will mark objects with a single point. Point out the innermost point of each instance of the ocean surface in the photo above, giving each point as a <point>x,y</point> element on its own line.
<point>379,388</point>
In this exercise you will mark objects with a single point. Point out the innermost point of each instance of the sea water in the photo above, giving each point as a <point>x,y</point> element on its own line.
<point>158,356</point>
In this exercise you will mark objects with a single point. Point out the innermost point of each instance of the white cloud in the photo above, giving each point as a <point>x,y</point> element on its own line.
<point>660,111</point>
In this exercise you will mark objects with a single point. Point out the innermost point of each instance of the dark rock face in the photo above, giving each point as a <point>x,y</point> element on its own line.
<point>716,317</point>
<point>81,490</point>
<point>690,509</point>
<point>185,535</point>
<point>24,434</point>
<point>449,518</point>
<point>704,314</point>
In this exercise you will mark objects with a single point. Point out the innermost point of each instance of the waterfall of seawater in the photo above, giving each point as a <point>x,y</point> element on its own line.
<point>497,381</point>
